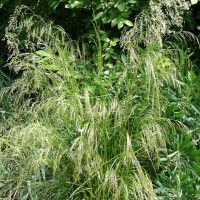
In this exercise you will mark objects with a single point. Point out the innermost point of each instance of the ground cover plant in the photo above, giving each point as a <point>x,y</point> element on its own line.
<point>110,113</point>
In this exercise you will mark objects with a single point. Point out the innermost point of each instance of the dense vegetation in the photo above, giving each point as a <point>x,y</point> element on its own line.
<point>100,100</point>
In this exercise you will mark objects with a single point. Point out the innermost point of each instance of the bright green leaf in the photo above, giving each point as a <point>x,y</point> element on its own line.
<point>114,22</point>
<point>120,24</point>
<point>99,15</point>
<point>128,23</point>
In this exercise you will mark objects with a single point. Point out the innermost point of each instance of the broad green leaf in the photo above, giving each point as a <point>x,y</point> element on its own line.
<point>67,6</point>
<point>132,1</point>
<point>99,15</point>
<point>120,24</point>
<point>114,22</point>
<point>74,4</point>
<point>121,7</point>
<point>128,23</point>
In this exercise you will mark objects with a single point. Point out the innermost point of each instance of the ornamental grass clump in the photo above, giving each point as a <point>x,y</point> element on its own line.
<point>64,136</point>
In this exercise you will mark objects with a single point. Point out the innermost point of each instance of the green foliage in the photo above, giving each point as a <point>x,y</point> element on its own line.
<point>180,177</point>
<point>87,120</point>
<point>116,13</point>
<point>2,2</point>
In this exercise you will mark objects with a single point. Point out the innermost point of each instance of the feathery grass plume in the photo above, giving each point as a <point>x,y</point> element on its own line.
<point>49,57</point>
<point>157,22</point>
<point>61,140</point>
<point>46,153</point>
<point>66,143</point>
<point>152,70</point>
<point>102,154</point>
<point>4,79</point>
<point>154,64</point>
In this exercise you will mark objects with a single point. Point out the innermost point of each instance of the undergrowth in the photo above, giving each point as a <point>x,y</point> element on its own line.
<point>71,129</point>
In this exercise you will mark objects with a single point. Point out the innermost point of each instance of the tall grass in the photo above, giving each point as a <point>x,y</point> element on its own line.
<point>63,139</point>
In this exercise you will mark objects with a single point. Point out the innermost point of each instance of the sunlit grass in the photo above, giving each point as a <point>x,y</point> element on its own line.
<point>65,135</point>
